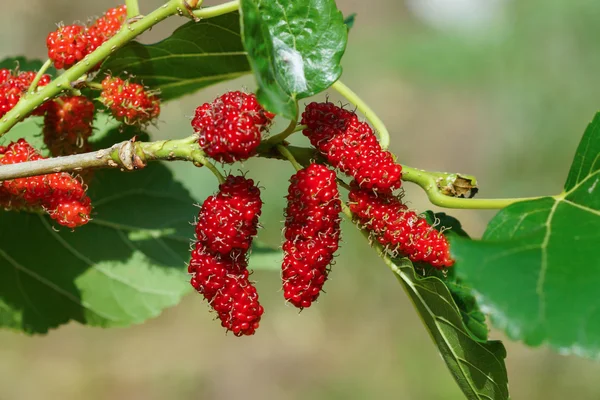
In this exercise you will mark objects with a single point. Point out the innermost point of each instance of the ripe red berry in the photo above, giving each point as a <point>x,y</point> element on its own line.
<point>61,195</point>
<point>312,233</point>
<point>230,127</point>
<point>13,85</point>
<point>129,102</point>
<point>68,125</point>
<point>67,45</point>
<point>351,146</point>
<point>399,229</point>
<point>106,27</point>
<point>227,222</point>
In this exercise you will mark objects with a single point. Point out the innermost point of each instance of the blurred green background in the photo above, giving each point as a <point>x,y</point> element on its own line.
<point>499,89</point>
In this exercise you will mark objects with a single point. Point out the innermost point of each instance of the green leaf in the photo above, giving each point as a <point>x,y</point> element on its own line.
<point>124,267</point>
<point>350,20</point>
<point>477,367</point>
<point>294,48</point>
<point>25,64</point>
<point>196,55</point>
<point>537,269</point>
<point>463,295</point>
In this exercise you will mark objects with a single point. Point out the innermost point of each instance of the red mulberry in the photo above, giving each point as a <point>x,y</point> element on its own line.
<point>399,229</point>
<point>227,222</point>
<point>230,127</point>
<point>129,102</point>
<point>351,146</point>
<point>61,195</point>
<point>312,233</point>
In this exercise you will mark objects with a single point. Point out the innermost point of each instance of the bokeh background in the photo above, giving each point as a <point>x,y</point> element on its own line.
<point>497,88</point>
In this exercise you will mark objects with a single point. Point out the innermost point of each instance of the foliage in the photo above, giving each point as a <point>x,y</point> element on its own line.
<point>534,272</point>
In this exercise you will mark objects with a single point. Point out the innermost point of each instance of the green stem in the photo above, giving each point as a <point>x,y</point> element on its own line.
<point>94,85</point>
<point>289,156</point>
<point>128,155</point>
<point>210,12</point>
<point>280,137</point>
<point>63,82</point>
<point>384,136</point>
<point>39,76</point>
<point>435,183</point>
<point>133,8</point>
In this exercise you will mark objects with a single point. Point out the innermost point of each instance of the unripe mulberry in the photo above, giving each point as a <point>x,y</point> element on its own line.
<point>67,45</point>
<point>230,128</point>
<point>227,223</point>
<point>351,146</point>
<point>399,229</point>
<point>312,233</point>
<point>61,195</point>
<point>68,125</point>
<point>129,102</point>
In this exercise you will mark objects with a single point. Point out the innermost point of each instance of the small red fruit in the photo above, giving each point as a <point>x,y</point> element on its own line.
<point>312,233</point>
<point>61,195</point>
<point>13,85</point>
<point>106,26</point>
<point>67,45</point>
<point>351,146</point>
<point>129,102</point>
<point>230,127</point>
<point>399,229</point>
<point>68,125</point>
<point>227,222</point>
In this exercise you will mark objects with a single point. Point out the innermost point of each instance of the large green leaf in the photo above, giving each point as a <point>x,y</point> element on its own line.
<point>478,367</point>
<point>196,55</point>
<point>463,295</point>
<point>537,269</point>
<point>294,47</point>
<point>124,267</point>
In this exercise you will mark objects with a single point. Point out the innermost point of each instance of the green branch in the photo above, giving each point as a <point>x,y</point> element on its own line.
<point>128,155</point>
<point>133,8</point>
<point>39,76</point>
<point>215,11</point>
<point>63,83</point>
<point>384,136</point>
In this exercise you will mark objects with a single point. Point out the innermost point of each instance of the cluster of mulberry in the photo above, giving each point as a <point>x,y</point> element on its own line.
<point>399,229</point>
<point>230,128</point>
<point>68,125</point>
<point>129,102</point>
<point>312,233</point>
<point>60,195</point>
<point>351,146</point>
<point>227,222</point>
<point>71,43</point>
<point>13,85</point>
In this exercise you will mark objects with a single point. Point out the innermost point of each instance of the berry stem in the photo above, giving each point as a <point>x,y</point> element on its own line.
<point>215,11</point>
<point>280,137</point>
<point>440,188</point>
<point>63,82</point>
<point>133,8</point>
<point>94,85</point>
<point>384,136</point>
<point>289,156</point>
<point>39,76</point>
